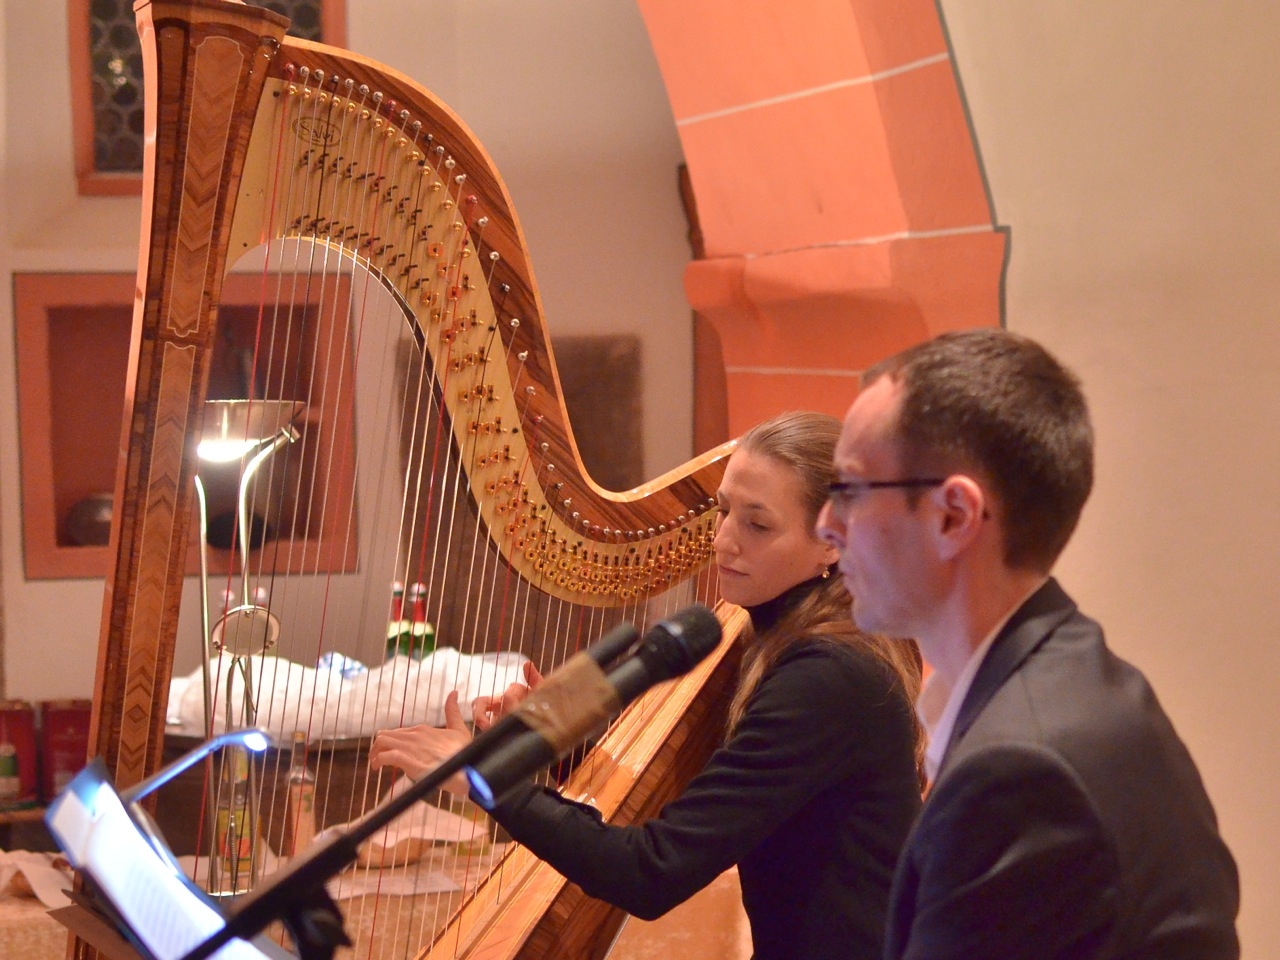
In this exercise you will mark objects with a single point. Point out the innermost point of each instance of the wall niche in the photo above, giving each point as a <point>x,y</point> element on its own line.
<point>73,334</point>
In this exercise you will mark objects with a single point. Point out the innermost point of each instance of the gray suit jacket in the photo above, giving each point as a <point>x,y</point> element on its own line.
<point>1067,819</point>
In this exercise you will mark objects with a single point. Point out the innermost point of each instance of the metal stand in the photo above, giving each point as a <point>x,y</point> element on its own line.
<point>297,896</point>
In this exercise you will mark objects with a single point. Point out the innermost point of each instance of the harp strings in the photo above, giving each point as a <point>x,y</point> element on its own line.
<point>395,401</point>
<point>435,487</point>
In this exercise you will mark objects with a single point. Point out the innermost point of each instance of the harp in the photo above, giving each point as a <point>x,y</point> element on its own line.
<point>400,384</point>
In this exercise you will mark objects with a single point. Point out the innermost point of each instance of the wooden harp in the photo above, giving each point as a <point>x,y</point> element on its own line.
<point>398,369</point>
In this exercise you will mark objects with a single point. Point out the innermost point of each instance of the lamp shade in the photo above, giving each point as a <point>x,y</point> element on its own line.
<point>233,428</point>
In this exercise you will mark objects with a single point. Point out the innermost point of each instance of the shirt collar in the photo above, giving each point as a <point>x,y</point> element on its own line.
<point>939,703</point>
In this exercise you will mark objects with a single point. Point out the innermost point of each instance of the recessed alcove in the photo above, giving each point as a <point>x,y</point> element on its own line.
<point>73,336</point>
<point>73,333</point>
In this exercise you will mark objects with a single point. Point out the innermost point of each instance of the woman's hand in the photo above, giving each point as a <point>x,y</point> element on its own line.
<point>486,711</point>
<point>419,750</point>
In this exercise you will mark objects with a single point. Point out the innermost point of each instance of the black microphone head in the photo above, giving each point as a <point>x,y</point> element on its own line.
<point>674,646</point>
<point>613,644</point>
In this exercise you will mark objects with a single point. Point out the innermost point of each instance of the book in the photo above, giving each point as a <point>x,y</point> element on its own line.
<point>135,876</point>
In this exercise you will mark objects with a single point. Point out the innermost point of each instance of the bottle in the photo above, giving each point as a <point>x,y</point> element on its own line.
<point>418,601</point>
<point>399,629</point>
<point>300,818</point>
<point>422,636</point>
<point>397,601</point>
<point>424,639</point>
<point>234,835</point>
<point>409,638</point>
<point>10,782</point>
<point>411,635</point>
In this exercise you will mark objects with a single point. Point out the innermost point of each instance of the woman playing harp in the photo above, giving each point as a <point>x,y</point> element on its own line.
<point>815,788</point>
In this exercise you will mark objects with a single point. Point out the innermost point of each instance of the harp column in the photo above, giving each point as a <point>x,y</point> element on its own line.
<point>197,134</point>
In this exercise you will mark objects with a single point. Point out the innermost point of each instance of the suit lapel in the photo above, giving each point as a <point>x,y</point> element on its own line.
<point>1043,611</point>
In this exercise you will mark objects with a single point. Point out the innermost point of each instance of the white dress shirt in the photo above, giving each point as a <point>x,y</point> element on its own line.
<point>939,702</point>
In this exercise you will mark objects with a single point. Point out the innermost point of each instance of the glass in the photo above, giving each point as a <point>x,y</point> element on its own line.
<point>842,493</point>
<point>115,63</point>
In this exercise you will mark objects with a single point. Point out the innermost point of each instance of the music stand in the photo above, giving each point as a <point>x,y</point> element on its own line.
<point>111,840</point>
<point>148,898</point>
<point>134,878</point>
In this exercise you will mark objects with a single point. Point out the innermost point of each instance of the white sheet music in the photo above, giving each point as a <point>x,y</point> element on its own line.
<point>166,915</point>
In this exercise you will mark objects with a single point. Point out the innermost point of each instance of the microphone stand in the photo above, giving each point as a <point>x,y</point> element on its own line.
<point>297,894</point>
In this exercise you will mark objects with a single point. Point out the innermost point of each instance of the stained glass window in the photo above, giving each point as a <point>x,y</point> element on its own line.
<point>115,94</point>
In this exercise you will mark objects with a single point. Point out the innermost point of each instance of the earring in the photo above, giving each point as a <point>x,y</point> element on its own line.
<point>826,573</point>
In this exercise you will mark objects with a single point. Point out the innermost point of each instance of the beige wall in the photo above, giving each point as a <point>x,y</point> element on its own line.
<point>1132,147</point>
<point>1134,150</point>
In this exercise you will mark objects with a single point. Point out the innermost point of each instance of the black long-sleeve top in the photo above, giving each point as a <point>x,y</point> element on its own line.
<point>812,797</point>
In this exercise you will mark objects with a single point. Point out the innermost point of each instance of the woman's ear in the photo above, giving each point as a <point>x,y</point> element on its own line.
<point>962,508</point>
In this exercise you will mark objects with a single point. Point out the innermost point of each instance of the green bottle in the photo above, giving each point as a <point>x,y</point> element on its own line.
<point>409,634</point>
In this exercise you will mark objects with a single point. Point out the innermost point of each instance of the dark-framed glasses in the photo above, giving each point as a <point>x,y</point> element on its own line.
<point>841,493</point>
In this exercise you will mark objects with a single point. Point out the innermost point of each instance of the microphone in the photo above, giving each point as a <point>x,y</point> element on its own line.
<point>579,699</point>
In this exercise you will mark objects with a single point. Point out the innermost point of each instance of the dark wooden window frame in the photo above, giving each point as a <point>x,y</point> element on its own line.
<point>89,180</point>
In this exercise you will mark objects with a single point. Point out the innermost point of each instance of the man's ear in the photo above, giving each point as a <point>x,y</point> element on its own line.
<point>961,509</point>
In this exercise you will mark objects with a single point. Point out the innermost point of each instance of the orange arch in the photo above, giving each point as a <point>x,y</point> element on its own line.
<point>839,192</point>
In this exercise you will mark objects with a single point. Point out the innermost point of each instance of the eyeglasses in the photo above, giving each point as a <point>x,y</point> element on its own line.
<point>844,492</point>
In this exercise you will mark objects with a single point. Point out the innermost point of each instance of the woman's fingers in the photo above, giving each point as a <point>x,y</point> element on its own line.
<point>486,711</point>
<point>453,713</point>
<point>419,750</point>
<point>513,696</point>
<point>531,675</point>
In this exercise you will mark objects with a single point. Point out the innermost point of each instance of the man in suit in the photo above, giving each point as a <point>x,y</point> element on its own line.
<point>1065,818</point>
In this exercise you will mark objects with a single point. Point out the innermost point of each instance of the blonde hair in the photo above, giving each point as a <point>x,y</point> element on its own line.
<point>805,443</point>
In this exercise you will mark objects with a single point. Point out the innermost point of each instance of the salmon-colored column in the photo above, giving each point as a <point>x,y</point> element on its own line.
<point>840,199</point>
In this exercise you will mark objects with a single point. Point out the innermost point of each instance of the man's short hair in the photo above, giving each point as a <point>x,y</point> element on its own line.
<point>1000,405</point>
